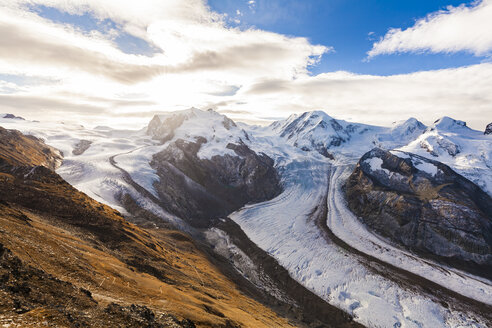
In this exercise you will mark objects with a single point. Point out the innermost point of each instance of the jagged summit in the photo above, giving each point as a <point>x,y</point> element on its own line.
<point>404,131</point>
<point>313,116</point>
<point>313,130</point>
<point>451,142</point>
<point>319,131</point>
<point>193,123</point>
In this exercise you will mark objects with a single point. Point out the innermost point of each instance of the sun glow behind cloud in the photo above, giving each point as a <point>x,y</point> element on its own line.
<point>55,69</point>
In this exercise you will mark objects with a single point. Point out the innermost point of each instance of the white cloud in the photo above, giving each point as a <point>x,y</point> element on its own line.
<point>251,74</point>
<point>463,93</point>
<point>463,28</point>
<point>190,36</point>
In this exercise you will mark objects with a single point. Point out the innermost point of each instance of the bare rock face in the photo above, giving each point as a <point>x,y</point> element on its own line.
<point>81,147</point>
<point>203,189</point>
<point>163,128</point>
<point>12,116</point>
<point>424,206</point>
<point>488,129</point>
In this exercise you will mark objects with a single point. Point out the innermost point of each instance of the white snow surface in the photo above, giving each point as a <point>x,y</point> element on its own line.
<point>338,136</point>
<point>467,151</point>
<point>375,164</point>
<point>209,125</point>
<point>285,226</point>
<point>427,167</point>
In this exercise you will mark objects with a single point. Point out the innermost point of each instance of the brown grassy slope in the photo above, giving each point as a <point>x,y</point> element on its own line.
<point>21,150</point>
<point>56,240</point>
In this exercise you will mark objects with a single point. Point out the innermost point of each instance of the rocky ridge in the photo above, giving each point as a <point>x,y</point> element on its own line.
<point>488,129</point>
<point>424,206</point>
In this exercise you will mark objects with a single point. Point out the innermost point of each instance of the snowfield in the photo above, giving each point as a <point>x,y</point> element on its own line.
<point>287,227</point>
<point>467,151</point>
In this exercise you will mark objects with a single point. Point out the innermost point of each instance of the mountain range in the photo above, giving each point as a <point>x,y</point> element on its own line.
<point>310,221</point>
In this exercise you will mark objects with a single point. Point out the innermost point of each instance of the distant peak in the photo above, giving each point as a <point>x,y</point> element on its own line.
<point>12,116</point>
<point>445,123</point>
<point>412,120</point>
<point>162,126</point>
<point>409,123</point>
<point>318,113</point>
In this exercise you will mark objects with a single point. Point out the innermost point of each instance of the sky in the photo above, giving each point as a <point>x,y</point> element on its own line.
<point>119,62</point>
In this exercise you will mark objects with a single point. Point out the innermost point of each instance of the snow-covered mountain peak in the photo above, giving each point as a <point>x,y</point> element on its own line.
<point>304,121</point>
<point>446,123</point>
<point>410,124</point>
<point>315,122</point>
<point>317,114</point>
<point>467,151</point>
<point>197,122</point>
<point>214,130</point>
<point>405,131</point>
<point>313,130</point>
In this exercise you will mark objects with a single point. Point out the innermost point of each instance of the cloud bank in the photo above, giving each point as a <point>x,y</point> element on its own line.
<point>50,69</point>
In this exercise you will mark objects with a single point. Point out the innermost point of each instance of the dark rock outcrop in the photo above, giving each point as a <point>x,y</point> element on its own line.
<point>488,129</point>
<point>162,128</point>
<point>424,206</point>
<point>202,189</point>
<point>81,147</point>
<point>12,116</point>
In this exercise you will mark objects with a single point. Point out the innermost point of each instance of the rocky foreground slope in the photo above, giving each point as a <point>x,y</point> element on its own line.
<point>424,206</point>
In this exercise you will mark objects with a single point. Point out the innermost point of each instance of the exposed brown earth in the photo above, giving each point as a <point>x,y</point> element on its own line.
<point>17,149</point>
